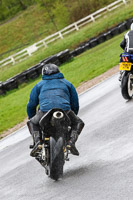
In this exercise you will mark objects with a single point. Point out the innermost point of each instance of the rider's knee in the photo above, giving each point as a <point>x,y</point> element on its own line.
<point>32,127</point>
<point>80,126</point>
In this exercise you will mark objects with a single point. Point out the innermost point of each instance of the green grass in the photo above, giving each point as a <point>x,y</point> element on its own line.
<point>82,68</point>
<point>34,23</point>
<point>28,27</point>
<point>70,41</point>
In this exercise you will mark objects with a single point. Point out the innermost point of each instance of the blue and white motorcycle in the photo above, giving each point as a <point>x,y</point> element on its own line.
<point>126,75</point>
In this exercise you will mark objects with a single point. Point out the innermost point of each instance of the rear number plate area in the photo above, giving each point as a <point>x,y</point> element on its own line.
<point>125,66</point>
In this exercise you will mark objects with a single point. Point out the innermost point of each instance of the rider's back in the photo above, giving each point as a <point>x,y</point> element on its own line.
<point>54,92</point>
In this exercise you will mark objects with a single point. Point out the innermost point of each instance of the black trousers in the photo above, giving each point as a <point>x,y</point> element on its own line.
<point>76,123</point>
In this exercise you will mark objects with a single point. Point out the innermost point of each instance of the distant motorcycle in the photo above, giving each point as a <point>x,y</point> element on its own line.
<point>55,126</point>
<point>126,75</point>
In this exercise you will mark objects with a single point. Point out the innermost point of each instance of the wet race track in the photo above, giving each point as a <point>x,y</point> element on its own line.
<point>104,169</point>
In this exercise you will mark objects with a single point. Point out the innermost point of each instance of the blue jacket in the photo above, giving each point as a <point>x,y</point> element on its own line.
<point>53,91</point>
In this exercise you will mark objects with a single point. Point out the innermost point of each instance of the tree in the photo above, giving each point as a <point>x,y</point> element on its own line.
<point>48,4</point>
<point>61,13</point>
<point>22,4</point>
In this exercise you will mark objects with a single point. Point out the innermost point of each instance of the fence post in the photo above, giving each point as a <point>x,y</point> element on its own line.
<point>76,26</point>
<point>28,51</point>
<point>108,8</point>
<point>92,18</point>
<point>45,43</point>
<point>61,36</point>
<point>12,59</point>
<point>124,1</point>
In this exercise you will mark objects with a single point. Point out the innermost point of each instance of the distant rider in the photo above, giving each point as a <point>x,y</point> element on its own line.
<point>53,91</point>
<point>127,45</point>
<point>127,42</point>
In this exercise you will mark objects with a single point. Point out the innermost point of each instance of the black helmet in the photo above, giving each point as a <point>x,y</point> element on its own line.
<point>49,69</point>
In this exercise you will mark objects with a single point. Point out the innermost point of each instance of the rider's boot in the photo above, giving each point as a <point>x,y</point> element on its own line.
<point>37,146</point>
<point>77,126</point>
<point>36,135</point>
<point>71,143</point>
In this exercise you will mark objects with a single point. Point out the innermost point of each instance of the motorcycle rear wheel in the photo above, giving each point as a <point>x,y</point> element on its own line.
<point>56,162</point>
<point>127,86</point>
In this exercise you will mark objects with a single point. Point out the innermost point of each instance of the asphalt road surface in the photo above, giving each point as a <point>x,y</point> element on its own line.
<point>104,169</point>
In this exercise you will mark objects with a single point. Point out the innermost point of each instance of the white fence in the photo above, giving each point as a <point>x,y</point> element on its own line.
<point>21,55</point>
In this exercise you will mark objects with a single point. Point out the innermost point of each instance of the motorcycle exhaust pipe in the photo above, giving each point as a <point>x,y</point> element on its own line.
<point>58,115</point>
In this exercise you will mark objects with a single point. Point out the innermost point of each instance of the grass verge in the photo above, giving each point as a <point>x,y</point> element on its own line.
<point>82,68</point>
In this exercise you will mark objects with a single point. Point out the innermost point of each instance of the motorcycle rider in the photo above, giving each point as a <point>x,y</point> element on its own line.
<point>53,91</point>
<point>127,45</point>
<point>127,42</point>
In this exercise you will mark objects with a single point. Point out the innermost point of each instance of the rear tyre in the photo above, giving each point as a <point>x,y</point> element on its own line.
<point>56,158</point>
<point>127,86</point>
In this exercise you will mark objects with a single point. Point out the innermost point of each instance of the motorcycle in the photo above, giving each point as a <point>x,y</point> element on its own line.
<point>53,153</point>
<point>126,75</point>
